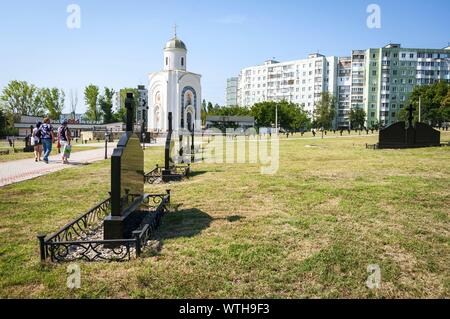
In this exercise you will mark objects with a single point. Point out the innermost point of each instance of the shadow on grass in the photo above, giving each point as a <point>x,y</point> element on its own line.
<point>196,173</point>
<point>186,223</point>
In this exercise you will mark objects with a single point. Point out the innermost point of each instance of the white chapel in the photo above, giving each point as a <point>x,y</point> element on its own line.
<point>175,90</point>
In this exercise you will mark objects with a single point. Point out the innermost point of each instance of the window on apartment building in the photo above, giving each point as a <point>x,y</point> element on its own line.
<point>393,114</point>
<point>374,73</point>
<point>411,56</point>
<point>372,114</point>
<point>395,55</point>
<point>403,55</point>
<point>182,61</point>
<point>374,56</point>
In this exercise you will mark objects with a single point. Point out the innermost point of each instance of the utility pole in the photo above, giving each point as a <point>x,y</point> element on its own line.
<point>276,118</point>
<point>420,109</point>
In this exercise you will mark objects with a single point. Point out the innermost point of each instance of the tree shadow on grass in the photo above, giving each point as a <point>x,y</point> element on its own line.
<point>186,223</point>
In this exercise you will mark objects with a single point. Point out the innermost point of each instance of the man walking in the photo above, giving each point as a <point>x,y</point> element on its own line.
<point>48,138</point>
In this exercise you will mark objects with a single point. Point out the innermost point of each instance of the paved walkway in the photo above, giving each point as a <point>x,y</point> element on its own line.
<point>21,170</point>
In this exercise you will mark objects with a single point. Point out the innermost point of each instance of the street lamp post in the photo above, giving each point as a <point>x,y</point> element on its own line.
<point>106,144</point>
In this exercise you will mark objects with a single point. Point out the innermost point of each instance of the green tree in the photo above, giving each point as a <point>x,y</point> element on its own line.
<point>53,101</point>
<point>6,121</point>
<point>210,108</point>
<point>291,116</point>
<point>22,98</point>
<point>445,107</point>
<point>357,118</point>
<point>120,115</point>
<point>204,112</point>
<point>91,94</point>
<point>106,105</point>
<point>434,108</point>
<point>325,111</point>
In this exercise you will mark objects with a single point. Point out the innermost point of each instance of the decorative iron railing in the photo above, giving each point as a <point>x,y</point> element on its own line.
<point>74,241</point>
<point>177,170</point>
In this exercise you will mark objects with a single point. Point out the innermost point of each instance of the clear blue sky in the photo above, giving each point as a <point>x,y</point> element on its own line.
<point>120,41</point>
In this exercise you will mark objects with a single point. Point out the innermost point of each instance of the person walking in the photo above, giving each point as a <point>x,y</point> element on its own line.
<point>36,136</point>
<point>64,139</point>
<point>48,138</point>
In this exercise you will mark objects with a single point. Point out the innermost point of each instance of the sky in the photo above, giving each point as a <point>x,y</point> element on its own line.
<point>120,42</point>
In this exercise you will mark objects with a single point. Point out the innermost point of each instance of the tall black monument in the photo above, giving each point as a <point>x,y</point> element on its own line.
<point>399,135</point>
<point>127,186</point>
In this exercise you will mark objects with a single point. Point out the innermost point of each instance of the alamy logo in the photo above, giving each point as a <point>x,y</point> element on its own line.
<point>74,19</point>
<point>374,19</point>
<point>374,279</point>
<point>234,147</point>
<point>74,277</point>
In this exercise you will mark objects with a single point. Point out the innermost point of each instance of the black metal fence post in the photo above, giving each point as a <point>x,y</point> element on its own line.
<point>168,193</point>
<point>41,238</point>
<point>137,238</point>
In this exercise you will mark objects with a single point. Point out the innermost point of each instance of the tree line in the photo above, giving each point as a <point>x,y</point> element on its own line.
<point>22,98</point>
<point>291,116</point>
<point>100,106</point>
<point>435,104</point>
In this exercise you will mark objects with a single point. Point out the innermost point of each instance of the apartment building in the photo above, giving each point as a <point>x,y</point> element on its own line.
<point>232,91</point>
<point>392,72</point>
<point>300,81</point>
<point>378,80</point>
<point>344,92</point>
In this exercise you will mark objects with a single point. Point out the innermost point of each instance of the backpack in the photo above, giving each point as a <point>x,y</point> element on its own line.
<point>63,133</point>
<point>38,134</point>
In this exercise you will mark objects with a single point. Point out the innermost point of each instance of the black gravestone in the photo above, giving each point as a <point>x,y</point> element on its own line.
<point>399,136</point>
<point>172,172</point>
<point>427,136</point>
<point>393,136</point>
<point>127,182</point>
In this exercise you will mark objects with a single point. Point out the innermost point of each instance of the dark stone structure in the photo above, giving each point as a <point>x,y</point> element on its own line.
<point>127,187</point>
<point>398,136</point>
<point>127,182</point>
<point>171,172</point>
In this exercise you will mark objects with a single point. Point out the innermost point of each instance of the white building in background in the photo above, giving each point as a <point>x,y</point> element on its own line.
<point>175,90</point>
<point>344,87</point>
<point>300,81</point>
<point>232,91</point>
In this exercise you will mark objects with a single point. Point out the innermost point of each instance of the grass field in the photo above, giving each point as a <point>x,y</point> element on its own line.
<point>309,231</point>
